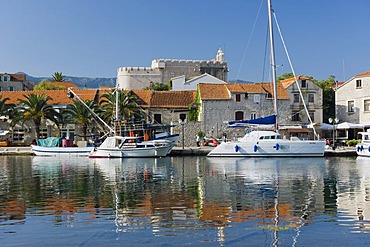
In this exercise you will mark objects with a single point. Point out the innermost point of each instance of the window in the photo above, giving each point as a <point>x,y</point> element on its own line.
<point>296,98</point>
<point>311,98</point>
<point>63,133</point>
<point>237,97</point>
<point>367,105</point>
<point>182,116</point>
<point>5,78</point>
<point>257,98</point>
<point>312,116</point>
<point>358,83</point>
<point>295,116</point>
<point>1,89</point>
<point>253,115</point>
<point>303,83</point>
<point>351,106</point>
<point>43,133</point>
<point>157,118</point>
<point>18,135</point>
<point>11,88</point>
<point>239,115</point>
<point>246,96</point>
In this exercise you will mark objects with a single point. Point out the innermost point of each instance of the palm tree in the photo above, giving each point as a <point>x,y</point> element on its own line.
<point>35,108</point>
<point>128,106</point>
<point>58,76</point>
<point>78,114</point>
<point>5,109</point>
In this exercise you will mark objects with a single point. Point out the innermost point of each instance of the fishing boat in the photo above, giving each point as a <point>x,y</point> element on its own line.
<point>54,146</point>
<point>267,143</point>
<point>363,148</point>
<point>130,147</point>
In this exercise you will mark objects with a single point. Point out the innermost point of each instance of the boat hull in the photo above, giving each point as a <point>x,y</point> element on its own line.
<point>57,151</point>
<point>363,150</point>
<point>130,152</point>
<point>273,148</point>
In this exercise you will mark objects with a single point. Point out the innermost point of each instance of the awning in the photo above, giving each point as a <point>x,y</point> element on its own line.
<point>298,130</point>
<point>347,125</point>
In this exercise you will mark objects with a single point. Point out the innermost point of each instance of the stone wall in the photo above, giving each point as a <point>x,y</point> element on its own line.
<point>191,130</point>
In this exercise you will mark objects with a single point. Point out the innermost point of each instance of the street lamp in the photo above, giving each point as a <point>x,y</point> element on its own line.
<point>182,122</point>
<point>333,121</point>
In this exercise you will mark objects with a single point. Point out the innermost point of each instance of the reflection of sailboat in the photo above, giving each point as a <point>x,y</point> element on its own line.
<point>118,170</point>
<point>268,186</point>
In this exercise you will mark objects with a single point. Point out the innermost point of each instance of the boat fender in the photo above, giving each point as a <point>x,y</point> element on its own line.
<point>358,148</point>
<point>236,148</point>
<point>368,149</point>
<point>255,148</point>
<point>361,148</point>
<point>277,146</point>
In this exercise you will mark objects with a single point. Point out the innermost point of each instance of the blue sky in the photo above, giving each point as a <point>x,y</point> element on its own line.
<point>94,38</point>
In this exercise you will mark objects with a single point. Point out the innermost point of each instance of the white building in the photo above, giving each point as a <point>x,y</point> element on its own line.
<point>180,84</point>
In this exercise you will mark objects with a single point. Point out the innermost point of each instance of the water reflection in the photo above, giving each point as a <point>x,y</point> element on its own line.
<point>267,201</point>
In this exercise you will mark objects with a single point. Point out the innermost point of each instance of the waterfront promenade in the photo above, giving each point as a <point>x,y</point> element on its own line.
<point>179,151</point>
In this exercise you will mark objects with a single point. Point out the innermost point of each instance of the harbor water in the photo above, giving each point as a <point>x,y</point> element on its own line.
<point>184,201</point>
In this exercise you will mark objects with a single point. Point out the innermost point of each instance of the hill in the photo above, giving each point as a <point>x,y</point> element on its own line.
<point>81,82</point>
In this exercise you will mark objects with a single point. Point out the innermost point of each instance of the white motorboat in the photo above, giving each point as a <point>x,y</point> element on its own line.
<point>129,147</point>
<point>268,143</point>
<point>363,148</point>
<point>55,151</point>
<point>53,146</point>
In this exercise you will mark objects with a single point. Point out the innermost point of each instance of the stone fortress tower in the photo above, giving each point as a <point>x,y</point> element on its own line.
<point>162,70</point>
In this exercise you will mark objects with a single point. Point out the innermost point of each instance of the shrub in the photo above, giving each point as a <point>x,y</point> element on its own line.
<point>352,143</point>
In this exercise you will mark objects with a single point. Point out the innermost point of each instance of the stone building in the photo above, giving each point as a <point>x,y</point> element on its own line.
<point>222,103</point>
<point>15,82</point>
<point>312,97</point>
<point>352,100</point>
<point>163,70</point>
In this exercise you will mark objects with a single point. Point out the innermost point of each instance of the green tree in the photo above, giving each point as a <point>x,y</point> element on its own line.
<point>35,108</point>
<point>46,85</point>
<point>78,114</point>
<point>159,86</point>
<point>285,76</point>
<point>328,105</point>
<point>6,110</point>
<point>128,106</point>
<point>58,76</point>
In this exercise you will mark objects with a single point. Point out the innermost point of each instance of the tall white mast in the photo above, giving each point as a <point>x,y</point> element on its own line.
<point>272,61</point>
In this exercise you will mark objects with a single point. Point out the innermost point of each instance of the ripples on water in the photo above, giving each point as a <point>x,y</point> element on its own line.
<point>184,201</point>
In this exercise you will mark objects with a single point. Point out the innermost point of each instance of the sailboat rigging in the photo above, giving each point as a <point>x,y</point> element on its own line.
<point>268,143</point>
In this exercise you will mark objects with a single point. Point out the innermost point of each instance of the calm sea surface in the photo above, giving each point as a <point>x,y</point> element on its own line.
<point>184,201</point>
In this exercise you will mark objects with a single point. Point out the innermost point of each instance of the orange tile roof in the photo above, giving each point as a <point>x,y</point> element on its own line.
<point>245,88</point>
<point>144,96</point>
<point>15,77</point>
<point>176,99</point>
<point>59,97</point>
<point>287,82</point>
<point>213,91</point>
<point>363,74</point>
<point>281,92</point>
<point>220,91</point>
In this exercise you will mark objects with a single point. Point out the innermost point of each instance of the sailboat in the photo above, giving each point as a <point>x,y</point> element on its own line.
<point>267,143</point>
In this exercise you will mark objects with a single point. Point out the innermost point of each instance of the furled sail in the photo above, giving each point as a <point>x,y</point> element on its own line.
<point>265,120</point>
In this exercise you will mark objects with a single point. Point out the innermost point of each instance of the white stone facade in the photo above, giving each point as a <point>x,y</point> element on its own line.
<point>352,100</point>
<point>162,70</point>
<point>312,96</point>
